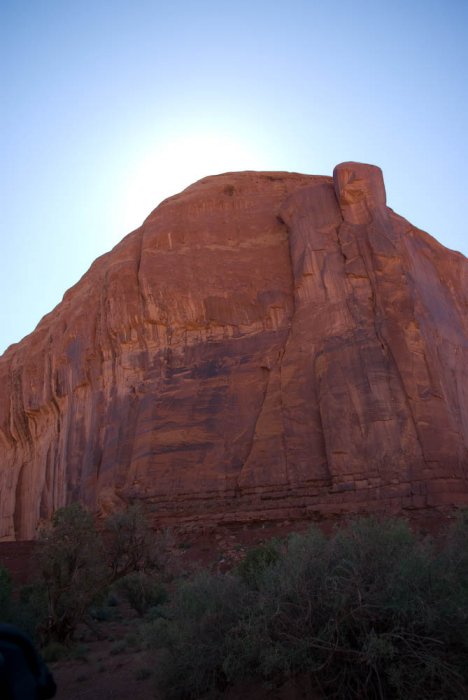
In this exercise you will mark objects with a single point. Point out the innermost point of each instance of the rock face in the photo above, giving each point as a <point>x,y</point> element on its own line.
<point>266,345</point>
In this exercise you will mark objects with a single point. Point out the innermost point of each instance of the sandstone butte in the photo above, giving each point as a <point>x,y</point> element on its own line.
<point>266,346</point>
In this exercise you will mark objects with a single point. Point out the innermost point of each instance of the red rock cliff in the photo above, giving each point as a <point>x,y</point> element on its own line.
<point>266,345</point>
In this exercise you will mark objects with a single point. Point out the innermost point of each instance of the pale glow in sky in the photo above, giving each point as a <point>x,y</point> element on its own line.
<point>178,162</point>
<point>110,106</point>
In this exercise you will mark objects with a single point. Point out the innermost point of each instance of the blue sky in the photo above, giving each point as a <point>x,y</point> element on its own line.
<point>107,107</point>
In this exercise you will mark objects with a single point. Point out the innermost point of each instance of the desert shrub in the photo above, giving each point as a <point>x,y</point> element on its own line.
<point>453,555</point>
<point>370,622</point>
<point>194,633</point>
<point>26,609</point>
<point>256,561</point>
<point>130,545</point>
<point>367,623</point>
<point>372,612</point>
<point>54,651</point>
<point>77,565</point>
<point>119,646</point>
<point>30,609</point>
<point>142,674</point>
<point>5,594</point>
<point>142,591</point>
<point>71,563</point>
<point>103,612</point>
<point>287,589</point>
<point>451,584</point>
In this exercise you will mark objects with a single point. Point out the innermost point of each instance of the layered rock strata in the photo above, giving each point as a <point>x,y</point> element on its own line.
<point>266,345</point>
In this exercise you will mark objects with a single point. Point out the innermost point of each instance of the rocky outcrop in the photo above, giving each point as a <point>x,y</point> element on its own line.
<point>266,345</point>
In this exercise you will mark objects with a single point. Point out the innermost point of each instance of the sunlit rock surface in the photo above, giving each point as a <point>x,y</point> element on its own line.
<point>266,345</point>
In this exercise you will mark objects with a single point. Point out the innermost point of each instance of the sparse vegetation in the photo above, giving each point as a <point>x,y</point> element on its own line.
<point>54,651</point>
<point>25,610</point>
<point>76,565</point>
<point>142,674</point>
<point>118,647</point>
<point>130,545</point>
<point>374,611</point>
<point>5,593</point>
<point>142,590</point>
<point>256,562</point>
<point>72,567</point>
<point>194,633</point>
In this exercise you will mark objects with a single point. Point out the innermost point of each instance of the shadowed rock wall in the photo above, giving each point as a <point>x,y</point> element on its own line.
<point>266,345</point>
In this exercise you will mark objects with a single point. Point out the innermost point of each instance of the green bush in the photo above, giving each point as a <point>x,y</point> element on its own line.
<point>369,622</point>
<point>26,609</point>
<point>77,565</point>
<point>142,591</point>
<point>194,634</point>
<point>130,544</point>
<point>54,651</point>
<point>5,594</point>
<point>256,561</point>
<point>372,612</point>
<point>71,563</point>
